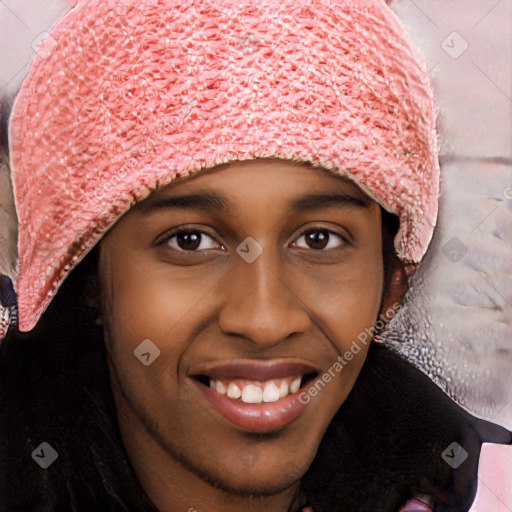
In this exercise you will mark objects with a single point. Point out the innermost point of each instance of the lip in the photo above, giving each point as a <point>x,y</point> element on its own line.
<point>262,417</point>
<point>254,370</point>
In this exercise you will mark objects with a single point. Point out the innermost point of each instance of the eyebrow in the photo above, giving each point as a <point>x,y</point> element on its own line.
<point>209,202</point>
<point>205,202</point>
<point>323,200</point>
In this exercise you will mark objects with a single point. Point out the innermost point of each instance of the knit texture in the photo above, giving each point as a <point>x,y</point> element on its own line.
<point>122,97</point>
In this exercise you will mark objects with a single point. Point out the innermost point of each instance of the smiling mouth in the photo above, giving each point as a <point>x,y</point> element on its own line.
<point>252,391</point>
<point>256,395</point>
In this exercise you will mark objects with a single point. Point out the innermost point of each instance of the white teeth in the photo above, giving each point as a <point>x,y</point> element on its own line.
<point>295,385</point>
<point>234,391</point>
<point>251,394</point>
<point>271,393</point>
<point>283,389</point>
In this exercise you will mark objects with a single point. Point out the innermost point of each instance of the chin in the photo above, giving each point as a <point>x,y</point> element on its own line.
<point>269,476</point>
<point>258,486</point>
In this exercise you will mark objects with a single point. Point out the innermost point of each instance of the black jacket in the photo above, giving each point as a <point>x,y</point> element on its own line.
<point>392,439</point>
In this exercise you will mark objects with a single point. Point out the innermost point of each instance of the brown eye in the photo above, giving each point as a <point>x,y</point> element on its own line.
<point>320,238</point>
<point>190,241</point>
<point>317,239</point>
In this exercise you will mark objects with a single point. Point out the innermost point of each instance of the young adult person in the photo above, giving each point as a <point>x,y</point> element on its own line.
<point>220,206</point>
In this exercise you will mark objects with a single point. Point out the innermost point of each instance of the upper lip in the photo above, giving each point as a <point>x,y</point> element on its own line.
<point>254,369</point>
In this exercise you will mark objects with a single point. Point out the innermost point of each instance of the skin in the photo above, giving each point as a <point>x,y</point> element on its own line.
<point>203,302</point>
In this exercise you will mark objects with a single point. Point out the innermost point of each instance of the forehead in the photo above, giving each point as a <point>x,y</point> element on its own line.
<point>262,179</point>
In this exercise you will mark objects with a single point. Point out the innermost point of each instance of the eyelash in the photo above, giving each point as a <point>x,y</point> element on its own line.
<point>302,232</point>
<point>312,229</point>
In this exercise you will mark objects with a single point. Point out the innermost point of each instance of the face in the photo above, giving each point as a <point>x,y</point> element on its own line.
<point>251,279</point>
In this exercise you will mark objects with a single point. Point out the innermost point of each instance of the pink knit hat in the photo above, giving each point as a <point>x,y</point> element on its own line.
<point>123,96</point>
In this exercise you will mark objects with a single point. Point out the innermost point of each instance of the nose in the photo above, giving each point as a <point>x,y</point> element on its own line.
<point>261,303</point>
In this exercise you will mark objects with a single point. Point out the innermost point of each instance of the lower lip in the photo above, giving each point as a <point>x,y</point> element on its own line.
<point>262,417</point>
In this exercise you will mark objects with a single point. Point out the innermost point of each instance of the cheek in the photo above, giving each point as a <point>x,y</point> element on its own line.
<point>346,307</point>
<point>149,303</point>
<point>152,302</point>
<point>348,299</point>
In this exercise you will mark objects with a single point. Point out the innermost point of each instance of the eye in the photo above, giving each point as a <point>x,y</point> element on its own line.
<point>320,238</point>
<point>189,240</point>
